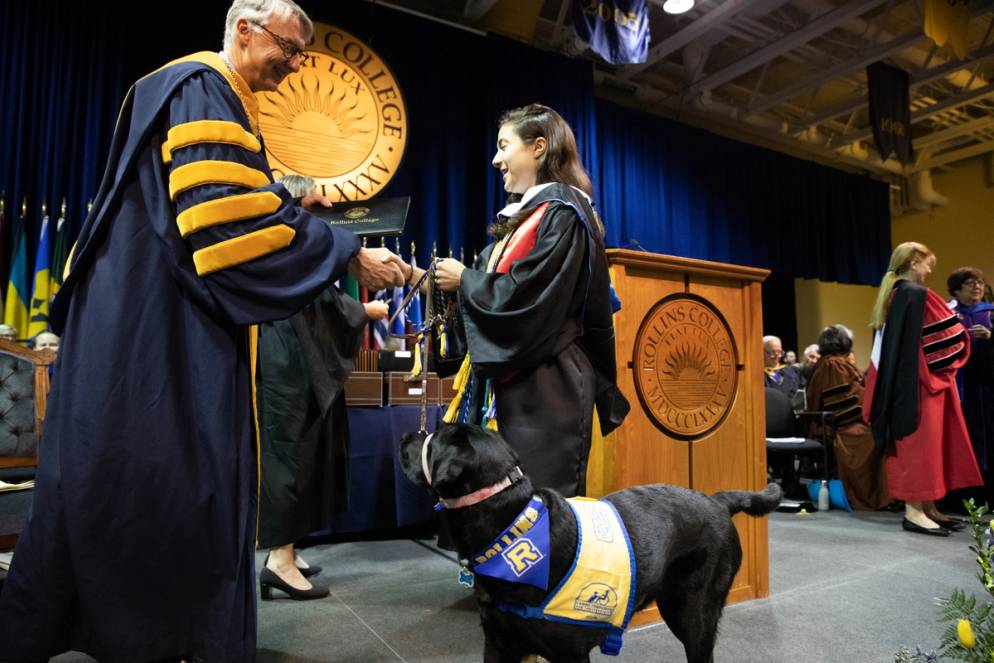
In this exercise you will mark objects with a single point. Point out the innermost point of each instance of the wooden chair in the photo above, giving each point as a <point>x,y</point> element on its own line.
<point>24,384</point>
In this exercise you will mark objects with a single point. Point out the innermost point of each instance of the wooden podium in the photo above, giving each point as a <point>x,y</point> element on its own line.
<point>690,362</point>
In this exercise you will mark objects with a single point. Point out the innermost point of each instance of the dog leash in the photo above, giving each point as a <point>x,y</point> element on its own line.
<point>436,313</point>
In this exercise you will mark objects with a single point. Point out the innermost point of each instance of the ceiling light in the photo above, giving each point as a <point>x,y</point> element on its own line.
<point>678,6</point>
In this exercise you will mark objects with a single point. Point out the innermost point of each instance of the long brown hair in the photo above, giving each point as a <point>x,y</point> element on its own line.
<point>559,163</point>
<point>900,264</point>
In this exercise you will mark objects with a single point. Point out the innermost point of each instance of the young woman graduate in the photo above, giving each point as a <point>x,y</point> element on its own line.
<point>537,307</point>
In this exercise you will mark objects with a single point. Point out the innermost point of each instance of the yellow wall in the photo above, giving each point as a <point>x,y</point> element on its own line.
<point>960,233</point>
<point>820,304</point>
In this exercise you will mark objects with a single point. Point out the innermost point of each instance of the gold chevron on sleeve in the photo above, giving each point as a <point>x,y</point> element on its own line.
<point>214,172</point>
<point>241,249</point>
<point>227,210</point>
<point>208,131</point>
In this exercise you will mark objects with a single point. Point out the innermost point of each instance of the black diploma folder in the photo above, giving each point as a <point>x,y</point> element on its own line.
<point>384,217</point>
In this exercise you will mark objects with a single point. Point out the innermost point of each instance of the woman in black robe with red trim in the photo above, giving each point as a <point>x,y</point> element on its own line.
<point>537,308</point>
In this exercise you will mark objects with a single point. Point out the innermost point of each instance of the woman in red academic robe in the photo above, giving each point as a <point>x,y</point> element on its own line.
<point>912,403</point>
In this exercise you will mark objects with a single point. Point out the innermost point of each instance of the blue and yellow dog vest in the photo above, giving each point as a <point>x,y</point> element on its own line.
<point>598,590</point>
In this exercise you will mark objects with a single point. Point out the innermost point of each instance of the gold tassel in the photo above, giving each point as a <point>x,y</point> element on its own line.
<point>466,369</point>
<point>416,371</point>
<point>459,384</point>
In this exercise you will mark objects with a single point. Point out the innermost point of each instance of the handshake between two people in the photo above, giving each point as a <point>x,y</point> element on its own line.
<point>380,268</point>
<point>448,272</point>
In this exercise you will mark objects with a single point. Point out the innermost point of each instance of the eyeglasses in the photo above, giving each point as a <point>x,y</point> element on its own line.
<point>970,283</point>
<point>290,50</point>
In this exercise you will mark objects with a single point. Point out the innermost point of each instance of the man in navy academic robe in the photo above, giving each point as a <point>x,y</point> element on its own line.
<point>141,538</point>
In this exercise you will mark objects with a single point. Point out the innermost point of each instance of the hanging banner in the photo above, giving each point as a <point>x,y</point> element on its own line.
<point>890,111</point>
<point>949,21</point>
<point>617,30</point>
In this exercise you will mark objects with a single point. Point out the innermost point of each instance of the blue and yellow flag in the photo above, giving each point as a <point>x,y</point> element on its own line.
<point>15,312</point>
<point>41,293</point>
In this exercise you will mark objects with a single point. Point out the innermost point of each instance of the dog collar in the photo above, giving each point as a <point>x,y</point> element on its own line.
<point>424,457</point>
<point>476,496</point>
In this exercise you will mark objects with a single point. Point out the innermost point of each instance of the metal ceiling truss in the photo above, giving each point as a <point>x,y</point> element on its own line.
<point>816,27</point>
<point>790,73</point>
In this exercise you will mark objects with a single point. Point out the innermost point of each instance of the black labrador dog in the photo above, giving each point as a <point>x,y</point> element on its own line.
<point>686,548</point>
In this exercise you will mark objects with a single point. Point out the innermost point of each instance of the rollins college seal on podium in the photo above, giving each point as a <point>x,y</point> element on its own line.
<point>684,366</point>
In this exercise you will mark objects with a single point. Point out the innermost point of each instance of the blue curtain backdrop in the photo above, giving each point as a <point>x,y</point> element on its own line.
<point>61,84</point>
<point>519,75</point>
<point>684,191</point>
<point>671,188</point>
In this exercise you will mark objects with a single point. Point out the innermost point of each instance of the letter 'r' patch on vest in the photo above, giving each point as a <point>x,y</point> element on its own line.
<point>598,591</point>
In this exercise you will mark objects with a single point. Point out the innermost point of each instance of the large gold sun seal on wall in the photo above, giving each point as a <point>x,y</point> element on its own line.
<point>341,119</point>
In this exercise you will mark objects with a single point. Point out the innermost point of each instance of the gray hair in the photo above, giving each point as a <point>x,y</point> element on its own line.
<point>298,185</point>
<point>259,11</point>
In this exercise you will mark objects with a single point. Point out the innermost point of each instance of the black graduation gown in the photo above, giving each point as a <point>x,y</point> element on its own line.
<point>140,544</point>
<point>304,442</point>
<point>544,333</point>
<point>893,412</point>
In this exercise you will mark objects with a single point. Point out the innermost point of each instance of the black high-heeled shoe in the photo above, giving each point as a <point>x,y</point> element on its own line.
<point>268,580</point>
<point>309,572</point>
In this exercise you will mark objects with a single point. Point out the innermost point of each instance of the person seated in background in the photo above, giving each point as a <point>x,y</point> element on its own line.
<point>836,386</point>
<point>8,333</point>
<point>976,379</point>
<point>790,358</point>
<point>45,340</point>
<point>777,375</point>
<point>806,367</point>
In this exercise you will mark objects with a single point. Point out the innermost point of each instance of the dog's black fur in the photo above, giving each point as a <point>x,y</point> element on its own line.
<point>686,548</point>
